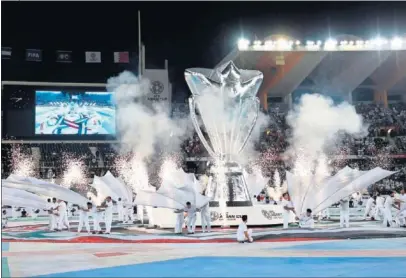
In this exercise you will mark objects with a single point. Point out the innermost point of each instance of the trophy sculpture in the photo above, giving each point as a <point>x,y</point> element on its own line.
<point>224,109</point>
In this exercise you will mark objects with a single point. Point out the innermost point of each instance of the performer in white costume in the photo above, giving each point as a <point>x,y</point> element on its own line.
<point>379,209</point>
<point>96,218</point>
<point>4,219</point>
<point>306,220</point>
<point>180,220</point>
<point>402,212</point>
<point>108,214</point>
<point>34,213</point>
<point>14,212</point>
<point>120,210</point>
<point>387,219</point>
<point>243,233</point>
<point>63,216</point>
<point>191,217</point>
<point>287,208</point>
<point>48,209</point>
<point>345,213</point>
<point>54,214</point>
<point>84,217</point>
<point>369,207</point>
<point>205,218</point>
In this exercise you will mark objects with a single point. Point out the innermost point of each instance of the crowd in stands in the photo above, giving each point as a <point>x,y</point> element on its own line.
<point>387,136</point>
<point>386,127</point>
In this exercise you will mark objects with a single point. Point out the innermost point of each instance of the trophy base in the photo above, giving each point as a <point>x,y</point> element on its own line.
<point>215,204</point>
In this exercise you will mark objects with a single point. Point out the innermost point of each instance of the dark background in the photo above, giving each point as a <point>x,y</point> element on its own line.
<point>188,34</point>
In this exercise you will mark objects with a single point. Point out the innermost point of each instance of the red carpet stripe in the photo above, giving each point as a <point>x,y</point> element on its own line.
<point>112,240</point>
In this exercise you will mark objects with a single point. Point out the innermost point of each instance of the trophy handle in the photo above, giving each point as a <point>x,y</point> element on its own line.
<point>192,108</point>
<point>252,126</point>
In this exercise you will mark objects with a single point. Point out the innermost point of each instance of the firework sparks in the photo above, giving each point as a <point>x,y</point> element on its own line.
<point>133,171</point>
<point>74,174</point>
<point>22,164</point>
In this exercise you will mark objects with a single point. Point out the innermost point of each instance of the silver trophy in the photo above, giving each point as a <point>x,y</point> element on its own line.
<point>224,109</point>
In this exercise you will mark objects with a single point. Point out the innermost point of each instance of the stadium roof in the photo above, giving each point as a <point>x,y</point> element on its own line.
<point>337,71</point>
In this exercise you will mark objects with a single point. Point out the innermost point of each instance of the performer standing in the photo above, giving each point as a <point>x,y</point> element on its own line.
<point>205,218</point>
<point>120,210</point>
<point>345,213</point>
<point>84,217</point>
<point>63,216</point>
<point>108,214</point>
<point>191,217</point>
<point>387,219</point>
<point>402,212</point>
<point>369,206</point>
<point>180,220</point>
<point>287,208</point>
<point>379,209</point>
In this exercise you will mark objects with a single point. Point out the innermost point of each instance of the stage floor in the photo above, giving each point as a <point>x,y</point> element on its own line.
<point>30,251</point>
<point>341,258</point>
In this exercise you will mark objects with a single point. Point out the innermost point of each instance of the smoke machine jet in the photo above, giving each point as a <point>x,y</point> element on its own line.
<point>225,99</point>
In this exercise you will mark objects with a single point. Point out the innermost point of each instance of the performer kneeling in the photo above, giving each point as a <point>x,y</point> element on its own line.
<point>243,233</point>
<point>306,220</point>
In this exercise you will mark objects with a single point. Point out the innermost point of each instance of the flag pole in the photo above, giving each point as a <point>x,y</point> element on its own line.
<point>143,59</point>
<point>139,45</point>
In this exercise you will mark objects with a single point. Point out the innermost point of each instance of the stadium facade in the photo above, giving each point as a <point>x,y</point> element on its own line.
<point>358,75</point>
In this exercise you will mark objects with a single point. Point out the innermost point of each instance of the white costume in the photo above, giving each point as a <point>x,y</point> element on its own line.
<point>108,216</point>
<point>191,219</point>
<point>3,221</point>
<point>205,218</point>
<point>120,210</point>
<point>83,219</point>
<point>306,222</point>
<point>402,213</point>
<point>388,211</point>
<point>34,215</point>
<point>180,220</point>
<point>286,213</point>
<point>369,207</point>
<point>96,218</point>
<point>14,212</point>
<point>379,209</point>
<point>344,213</point>
<point>242,228</point>
<point>63,216</point>
<point>54,217</point>
<point>48,208</point>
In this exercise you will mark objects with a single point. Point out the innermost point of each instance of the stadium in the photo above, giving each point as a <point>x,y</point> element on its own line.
<point>304,138</point>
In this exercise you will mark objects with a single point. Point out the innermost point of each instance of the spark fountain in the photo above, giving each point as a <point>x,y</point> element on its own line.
<point>226,103</point>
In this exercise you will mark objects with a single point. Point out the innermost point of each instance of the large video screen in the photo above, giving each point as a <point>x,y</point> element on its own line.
<point>74,113</point>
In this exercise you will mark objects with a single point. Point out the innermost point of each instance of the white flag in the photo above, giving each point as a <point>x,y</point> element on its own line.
<point>93,57</point>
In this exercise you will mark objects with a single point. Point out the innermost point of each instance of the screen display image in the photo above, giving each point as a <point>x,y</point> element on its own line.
<point>74,113</point>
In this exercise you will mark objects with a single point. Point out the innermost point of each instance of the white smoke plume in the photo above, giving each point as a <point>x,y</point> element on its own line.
<point>141,127</point>
<point>316,124</point>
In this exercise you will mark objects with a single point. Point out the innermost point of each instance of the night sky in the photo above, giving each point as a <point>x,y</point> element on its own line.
<point>188,34</point>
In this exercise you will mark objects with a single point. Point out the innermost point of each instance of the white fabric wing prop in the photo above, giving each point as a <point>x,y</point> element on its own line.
<point>119,188</point>
<point>18,193</point>
<point>153,199</point>
<point>9,200</point>
<point>103,188</point>
<point>44,188</point>
<point>355,185</point>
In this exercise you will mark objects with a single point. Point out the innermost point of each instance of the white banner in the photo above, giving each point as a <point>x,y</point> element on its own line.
<point>257,215</point>
<point>159,85</point>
